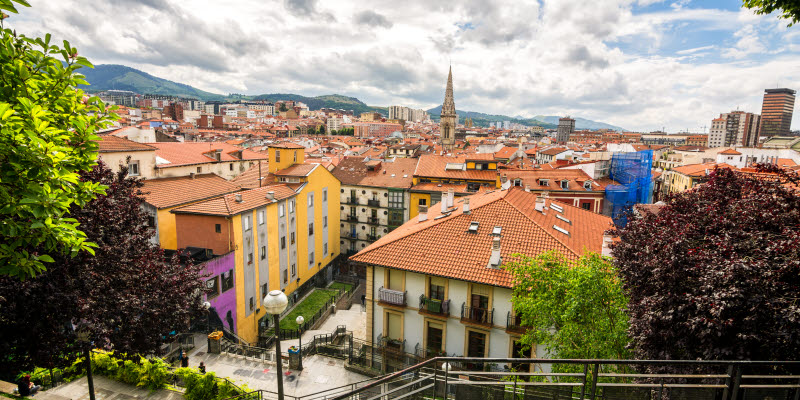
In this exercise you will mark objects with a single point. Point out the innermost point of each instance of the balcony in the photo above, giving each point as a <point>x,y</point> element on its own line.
<point>372,220</point>
<point>351,201</point>
<point>393,297</point>
<point>372,238</point>
<point>514,323</point>
<point>374,203</point>
<point>434,306</point>
<point>352,218</point>
<point>483,316</point>
<point>350,235</point>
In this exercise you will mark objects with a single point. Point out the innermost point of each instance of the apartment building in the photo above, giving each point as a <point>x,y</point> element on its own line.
<point>281,233</point>
<point>374,198</point>
<point>116,151</point>
<point>569,186</point>
<point>183,159</point>
<point>435,285</point>
<point>736,128</point>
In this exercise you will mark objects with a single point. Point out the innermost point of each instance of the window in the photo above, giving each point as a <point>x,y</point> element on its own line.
<point>423,202</point>
<point>324,195</point>
<point>133,168</point>
<point>246,222</point>
<point>311,229</point>
<point>263,252</point>
<point>311,199</point>
<point>436,288</point>
<point>252,304</point>
<point>281,210</point>
<point>565,184</point>
<point>231,166</point>
<point>291,206</point>
<point>212,287</point>
<point>261,217</point>
<point>395,199</point>
<point>264,290</point>
<point>294,270</point>
<point>277,156</point>
<point>586,206</point>
<point>543,182</point>
<point>283,242</point>
<point>199,169</point>
<point>325,221</point>
<point>292,238</point>
<point>218,228</point>
<point>295,156</point>
<point>311,259</point>
<point>151,221</point>
<point>517,182</point>
<point>285,275</point>
<point>249,258</point>
<point>324,249</point>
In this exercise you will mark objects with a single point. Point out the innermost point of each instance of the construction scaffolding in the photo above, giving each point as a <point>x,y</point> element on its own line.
<point>633,172</point>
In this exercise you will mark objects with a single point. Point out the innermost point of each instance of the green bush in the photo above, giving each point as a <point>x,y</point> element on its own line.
<point>206,386</point>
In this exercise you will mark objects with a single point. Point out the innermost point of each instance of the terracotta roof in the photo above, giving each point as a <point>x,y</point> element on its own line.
<point>505,152</point>
<point>553,151</point>
<point>297,170</point>
<point>398,173</point>
<point>113,144</point>
<point>479,157</point>
<point>444,247</point>
<point>286,145</point>
<point>171,192</point>
<point>249,179</point>
<point>228,206</point>
<point>575,179</point>
<point>434,166</point>
<point>731,152</point>
<point>458,188</point>
<point>179,154</point>
<point>699,169</point>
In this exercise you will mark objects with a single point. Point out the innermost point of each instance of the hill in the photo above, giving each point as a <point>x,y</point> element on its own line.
<point>581,123</point>
<point>327,101</point>
<point>481,119</point>
<point>120,77</point>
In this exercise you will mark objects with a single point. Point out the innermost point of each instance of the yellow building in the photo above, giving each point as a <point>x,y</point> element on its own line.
<point>284,234</point>
<point>681,179</point>
<point>463,175</point>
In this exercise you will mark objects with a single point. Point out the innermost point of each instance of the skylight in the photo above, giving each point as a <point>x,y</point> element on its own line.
<point>496,230</point>
<point>473,227</point>
<point>557,207</point>
<point>559,216</point>
<point>562,230</point>
<point>455,167</point>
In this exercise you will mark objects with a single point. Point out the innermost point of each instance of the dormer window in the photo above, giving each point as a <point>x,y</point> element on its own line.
<point>565,184</point>
<point>544,182</point>
<point>517,182</point>
<point>587,185</point>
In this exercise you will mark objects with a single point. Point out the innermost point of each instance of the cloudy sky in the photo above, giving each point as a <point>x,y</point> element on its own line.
<point>640,64</point>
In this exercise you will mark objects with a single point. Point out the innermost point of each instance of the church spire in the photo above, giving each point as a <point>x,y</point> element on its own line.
<point>449,106</point>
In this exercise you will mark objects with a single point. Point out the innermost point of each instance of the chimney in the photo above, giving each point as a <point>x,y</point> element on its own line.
<point>494,259</point>
<point>528,188</point>
<point>271,196</point>
<point>444,203</point>
<point>238,197</point>
<point>423,213</point>
<point>606,252</point>
<point>191,175</point>
<point>451,196</point>
<point>539,206</point>
<point>466,209</point>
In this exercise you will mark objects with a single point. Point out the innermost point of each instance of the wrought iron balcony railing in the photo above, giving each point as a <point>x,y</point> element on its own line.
<point>434,306</point>
<point>374,203</point>
<point>514,322</point>
<point>390,296</point>
<point>477,315</point>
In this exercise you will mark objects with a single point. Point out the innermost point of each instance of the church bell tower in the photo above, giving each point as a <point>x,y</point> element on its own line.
<point>447,123</point>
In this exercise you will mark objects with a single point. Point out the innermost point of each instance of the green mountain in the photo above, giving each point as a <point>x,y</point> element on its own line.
<point>327,101</point>
<point>481,119</point>
<point>120,77</point>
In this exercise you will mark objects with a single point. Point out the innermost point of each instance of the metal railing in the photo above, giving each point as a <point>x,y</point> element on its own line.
<point>390,296</point>
<point>350,200</point>
<point>374,203</point>
<point>372,238</point>
<point>434,306</point>
<point>585,379</point>
<point>372,220</point>
<point>352,218</point>
<point>514,322</point>
<point>477,315</point>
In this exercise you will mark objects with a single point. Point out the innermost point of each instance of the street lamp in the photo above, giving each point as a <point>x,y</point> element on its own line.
<point>300,321</point>
<point>446,368</point>
<point>82,333</point>
<point>207,307</point>
<point>274,303</point>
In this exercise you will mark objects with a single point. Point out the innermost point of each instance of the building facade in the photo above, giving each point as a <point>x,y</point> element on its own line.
<point>736,128</point>
<point>566,126</point>
<point>776,112</point>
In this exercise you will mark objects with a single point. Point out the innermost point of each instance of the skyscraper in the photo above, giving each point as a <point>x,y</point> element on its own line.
<point>776,112</point>
<point>566,126</point>
<point>447,124</point>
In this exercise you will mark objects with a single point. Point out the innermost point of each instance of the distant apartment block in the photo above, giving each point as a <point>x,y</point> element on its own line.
<point>119,97</point>
<point>408,114</point>
<point>736,128</point>
<point>776,112</point>
<point>566,126</point>
<point>375,129</point>
<point>333,124</point>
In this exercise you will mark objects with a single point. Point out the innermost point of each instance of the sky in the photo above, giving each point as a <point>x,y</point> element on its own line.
<point>640,64</point>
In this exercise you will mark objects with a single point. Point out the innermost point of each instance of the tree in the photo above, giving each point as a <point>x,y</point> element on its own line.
<point>576,309</point>
<point>789,9</point>
<point>715,274</point>
<point>283,108</point>
<point>322,129</point>
<point>131,296</point>
<point>46,139</point>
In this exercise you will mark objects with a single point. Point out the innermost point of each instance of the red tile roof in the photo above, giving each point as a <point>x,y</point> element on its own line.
<point>228,206</point>
<point>116,144</point>
<point>286,145</point>
<point>575,179</point>
<point>249,179</point>
<point>434,166</point>
<point>731,152</point>
<point>297,170</point>
<point>398,173</point>
<point>444,247</point>
<point>171,192</point>
<point>554,151</point>
<point>699,169</point>
<point>179,154</point>
<point>505,153</point>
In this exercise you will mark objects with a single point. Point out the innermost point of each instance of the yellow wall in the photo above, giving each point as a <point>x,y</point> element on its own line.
<point>167,235</point>
<point>413,203</point>
<point>287,158</point>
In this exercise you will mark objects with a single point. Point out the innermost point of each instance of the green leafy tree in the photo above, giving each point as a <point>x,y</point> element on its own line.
<point>576,309</point>
<point>283,107</point>
<point>788,9</point>
<point>46,139</point>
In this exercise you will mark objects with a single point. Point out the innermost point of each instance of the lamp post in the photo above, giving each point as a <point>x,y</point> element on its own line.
<point>82,333</point>
<point>274,303</point>
<point>300,321</point>
<point>446,369</point>
<point>207,307</point>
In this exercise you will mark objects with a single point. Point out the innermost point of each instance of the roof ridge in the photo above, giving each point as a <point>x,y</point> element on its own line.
<point>546,231</point>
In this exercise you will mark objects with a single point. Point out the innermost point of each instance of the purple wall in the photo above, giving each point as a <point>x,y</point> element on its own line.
<point>223,306</point>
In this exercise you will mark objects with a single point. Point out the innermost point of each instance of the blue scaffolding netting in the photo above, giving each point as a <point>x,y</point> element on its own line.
<point>633,172</point>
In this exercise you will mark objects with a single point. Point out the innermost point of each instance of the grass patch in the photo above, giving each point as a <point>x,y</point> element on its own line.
<point>307,308</point>
<point>340,285</point>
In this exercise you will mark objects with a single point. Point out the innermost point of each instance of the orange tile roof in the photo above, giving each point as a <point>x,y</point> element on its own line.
<point>458,188</point>
<point>398,173</point>
<point>249,179</point>
<point>179,154</point>
<point>575,178</point>
<point>443,246</point>
<point>505,152</point>
<point>228,206</point>
<point>731,152</point>
<point>699,169</point>
<point>171,192</point>
<point>114,144</point>
<point>554,151</point>
<point>434,166</point>
<point>297,170</point>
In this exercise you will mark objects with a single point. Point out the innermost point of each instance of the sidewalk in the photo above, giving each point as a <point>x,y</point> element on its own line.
<point>354,319</point>
<point>105,389</point>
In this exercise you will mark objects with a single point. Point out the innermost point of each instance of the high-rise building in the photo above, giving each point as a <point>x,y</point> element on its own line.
<point>566,126</point>
<point>447,124</point>
<point>776,112</point>
<point>407,114</point>
<point>736,128</point>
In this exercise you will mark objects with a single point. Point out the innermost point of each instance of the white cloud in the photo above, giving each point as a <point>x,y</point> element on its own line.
<point>601,60</point>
